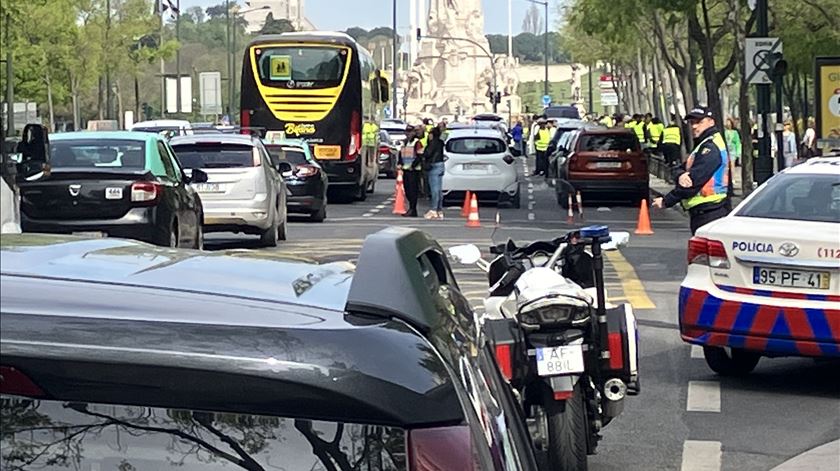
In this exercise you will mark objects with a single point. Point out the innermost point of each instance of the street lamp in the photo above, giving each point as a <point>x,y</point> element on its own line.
<point>544,4</point>
<point>477,44</point>
<point>231,36</point>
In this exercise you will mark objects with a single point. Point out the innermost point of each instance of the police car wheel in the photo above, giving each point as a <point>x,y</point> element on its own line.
<point>730,361</point>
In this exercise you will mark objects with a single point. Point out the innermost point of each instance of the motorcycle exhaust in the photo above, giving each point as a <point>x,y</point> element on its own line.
<point>614,392</point>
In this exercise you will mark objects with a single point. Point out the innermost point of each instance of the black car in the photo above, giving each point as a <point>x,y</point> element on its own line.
<point>118,184</point>
<point>117,355</point>
<point>562,111</point>
<point>388,149</point>
<point>307,182</point>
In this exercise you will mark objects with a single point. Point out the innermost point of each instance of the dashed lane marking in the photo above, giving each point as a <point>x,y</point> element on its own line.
<point>703,396</point>
<point>630,282</point>
<point>701,455</point>
<point>530,216</point>
<point>696,351</point>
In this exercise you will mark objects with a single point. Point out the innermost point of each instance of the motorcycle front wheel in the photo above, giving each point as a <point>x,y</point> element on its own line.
<point>568,430</point>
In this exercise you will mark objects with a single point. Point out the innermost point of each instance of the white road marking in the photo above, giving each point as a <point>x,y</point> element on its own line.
<point>367,215</point>
<point>381,206</point>
<point>531,206</point>
<point>700,455</point>
<point>530,196</point>
<point>530,216</point>
<point>530,185</point>
<point>375,210</point>
<point>696,351</point>
<point>703,396</point>
<point>603,209</point>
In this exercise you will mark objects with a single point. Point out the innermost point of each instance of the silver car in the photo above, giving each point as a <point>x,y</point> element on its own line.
<point>244,192</point>
<point>478,160</point>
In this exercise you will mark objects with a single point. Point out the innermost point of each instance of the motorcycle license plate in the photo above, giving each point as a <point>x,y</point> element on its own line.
<point>552,361</point>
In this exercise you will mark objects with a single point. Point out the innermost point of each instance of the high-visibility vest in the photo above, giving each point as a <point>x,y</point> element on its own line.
<point>671,135</point>
<point>717,187</point>
<point>607,121</point>
<point>655,131</point>
<point>543,138</point>
<point>639,128</point>
<point>408,155</point>
<point>630,124</point>
<point>369,132</point>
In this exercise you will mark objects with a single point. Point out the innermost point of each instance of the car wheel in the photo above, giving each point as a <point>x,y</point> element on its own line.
<point>730,361</point>
<point>319,215</point>
<point>269,237</point>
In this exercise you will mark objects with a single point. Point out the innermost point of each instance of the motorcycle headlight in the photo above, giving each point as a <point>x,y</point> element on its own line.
<point>553,314</point>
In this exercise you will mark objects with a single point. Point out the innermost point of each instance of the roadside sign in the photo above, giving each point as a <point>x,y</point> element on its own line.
<point>609,98</point>
<point>606,81</point>
<point>210,92</point>
<point>758,51</point>
<point>828,99</point>
<point>281,68</point>
<point>546,100</point>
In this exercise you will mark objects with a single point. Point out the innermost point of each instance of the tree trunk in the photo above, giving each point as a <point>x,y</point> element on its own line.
<point>120,111</point>
<point>640,83</point>
<point>74,93</point>
<point>656,80</point>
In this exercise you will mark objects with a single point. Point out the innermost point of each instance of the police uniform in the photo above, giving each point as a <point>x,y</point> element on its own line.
<point>708,166</point>
<point>541,146</point>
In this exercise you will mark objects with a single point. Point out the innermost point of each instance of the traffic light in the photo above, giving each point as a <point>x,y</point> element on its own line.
<point>419,35</point>
<point>147,110</point>
<point>777,65</point>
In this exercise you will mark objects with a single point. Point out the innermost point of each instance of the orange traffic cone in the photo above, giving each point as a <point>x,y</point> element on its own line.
<point>399,195</point>
<point>465,209</point>
<point>643,226</point>
<point>473,220</point>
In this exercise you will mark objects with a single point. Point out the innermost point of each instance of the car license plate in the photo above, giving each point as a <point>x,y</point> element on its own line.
<point>608,164</point>
<point>113,193</point>
<point>791,278</point>
<point>554,361</point>
<point>328,152</point>
<point>91,234</point>
<point>207,187</point>
<point>475,167</point>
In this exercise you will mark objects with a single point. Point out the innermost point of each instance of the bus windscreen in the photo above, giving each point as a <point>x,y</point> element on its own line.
<point>322,65</point>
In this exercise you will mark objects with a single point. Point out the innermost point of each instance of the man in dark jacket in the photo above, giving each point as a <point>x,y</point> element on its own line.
<point>702,189</point>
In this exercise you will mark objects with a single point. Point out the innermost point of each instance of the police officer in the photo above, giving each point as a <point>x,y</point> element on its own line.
<point>410,161</point>
<point>543,138</point>
<point>671,142</point>
<point>703,188</point>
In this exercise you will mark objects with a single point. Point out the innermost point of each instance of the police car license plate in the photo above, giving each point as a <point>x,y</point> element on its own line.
<point>791,278</point>
<point>554,361</point>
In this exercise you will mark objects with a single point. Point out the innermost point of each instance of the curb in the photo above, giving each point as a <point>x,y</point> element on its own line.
<point>824,457</point>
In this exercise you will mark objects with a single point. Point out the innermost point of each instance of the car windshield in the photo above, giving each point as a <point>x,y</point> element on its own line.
<point>216,155</point>
<point>800,197</point>
<point>475,145</point>
<point>604,142</point>
<point>111,153</point>
<point>54,435</point>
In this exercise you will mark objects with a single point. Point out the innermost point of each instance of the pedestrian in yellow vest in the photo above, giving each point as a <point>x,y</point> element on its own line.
<point>671,142</point>
<point>543,138</point>
<point>639,128</point>
<point>655,129</point>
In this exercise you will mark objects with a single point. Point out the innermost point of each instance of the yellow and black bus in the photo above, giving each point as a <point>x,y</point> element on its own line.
<point>324,88</point>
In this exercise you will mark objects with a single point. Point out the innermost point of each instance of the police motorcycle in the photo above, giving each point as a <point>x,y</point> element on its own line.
<point>570,357</point>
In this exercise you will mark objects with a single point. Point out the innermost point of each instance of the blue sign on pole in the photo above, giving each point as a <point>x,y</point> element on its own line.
<point>546,100</point>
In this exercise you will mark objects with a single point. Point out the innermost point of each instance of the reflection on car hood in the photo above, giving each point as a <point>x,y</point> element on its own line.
<point>245,274</point>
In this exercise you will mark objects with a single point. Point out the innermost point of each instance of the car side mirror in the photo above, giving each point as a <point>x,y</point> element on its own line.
<point>465,254</point>
<point>196,175</point>
<point>285,168</point>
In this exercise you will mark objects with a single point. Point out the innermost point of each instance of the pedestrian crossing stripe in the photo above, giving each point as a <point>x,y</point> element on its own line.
<point>281,68</point>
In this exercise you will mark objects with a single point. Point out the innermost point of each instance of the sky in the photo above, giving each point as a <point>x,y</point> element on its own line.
<point>369,14</point>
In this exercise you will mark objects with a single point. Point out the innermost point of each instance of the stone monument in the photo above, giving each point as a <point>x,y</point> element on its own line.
<point>452,73</point>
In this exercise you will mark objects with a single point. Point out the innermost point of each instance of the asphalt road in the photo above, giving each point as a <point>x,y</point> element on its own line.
<point>686,417</point>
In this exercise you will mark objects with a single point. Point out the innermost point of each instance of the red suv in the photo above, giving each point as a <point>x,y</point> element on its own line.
<point>607,162</point>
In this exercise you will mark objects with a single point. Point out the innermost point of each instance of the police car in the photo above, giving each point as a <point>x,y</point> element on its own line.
<point>765,280</point>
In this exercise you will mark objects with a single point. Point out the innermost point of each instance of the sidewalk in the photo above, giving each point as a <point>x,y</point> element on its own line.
<point>825,457</point>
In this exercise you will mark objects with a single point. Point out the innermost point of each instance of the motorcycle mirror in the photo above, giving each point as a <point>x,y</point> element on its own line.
<point>619,239</point>
<point>465,254</point>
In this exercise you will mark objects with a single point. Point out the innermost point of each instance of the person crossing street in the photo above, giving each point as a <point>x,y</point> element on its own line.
<point>703,189</point>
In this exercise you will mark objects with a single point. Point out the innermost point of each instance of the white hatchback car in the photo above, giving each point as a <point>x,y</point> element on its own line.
<point>478,160</point>
<point>765,280</point>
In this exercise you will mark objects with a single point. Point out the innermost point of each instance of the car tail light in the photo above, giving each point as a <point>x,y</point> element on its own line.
<point>15,382</point>
<point>355,137</point>
<point>707,252</point>
<point>244,121</point>
<point>146,193</point>
<point>304,171</point>
<point>508,159</point>
<point>435,449</point>
<point>384,150</point>
<point>504,357</point>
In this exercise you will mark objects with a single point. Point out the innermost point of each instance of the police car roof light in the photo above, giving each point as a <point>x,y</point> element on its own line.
<point>591,232</point>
